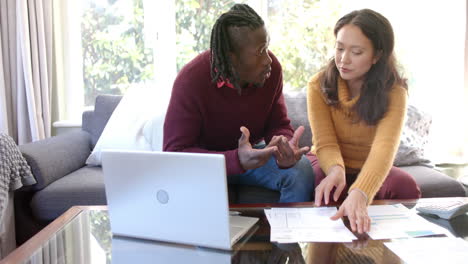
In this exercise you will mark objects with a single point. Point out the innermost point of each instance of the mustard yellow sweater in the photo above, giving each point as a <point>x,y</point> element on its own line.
<point>337,140</point>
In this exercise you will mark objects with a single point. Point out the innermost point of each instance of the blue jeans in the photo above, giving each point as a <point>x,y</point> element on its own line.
<point>295,184</point>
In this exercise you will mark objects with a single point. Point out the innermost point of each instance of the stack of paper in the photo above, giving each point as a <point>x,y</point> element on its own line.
<point>289,225</point>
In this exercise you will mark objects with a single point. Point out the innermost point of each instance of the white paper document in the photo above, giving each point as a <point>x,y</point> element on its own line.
<point>397,221</point>
<point>290,225</point>
<point>431,250</point>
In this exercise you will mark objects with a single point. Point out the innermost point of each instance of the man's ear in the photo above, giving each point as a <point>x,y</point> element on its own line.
<point>377,57</point>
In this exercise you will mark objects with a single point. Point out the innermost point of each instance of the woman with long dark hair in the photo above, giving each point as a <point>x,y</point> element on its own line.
<point>356,108</point>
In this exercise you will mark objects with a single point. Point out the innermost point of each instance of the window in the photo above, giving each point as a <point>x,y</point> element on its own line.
<point>430,46</point>
<point>302,38</point>
<point>145,42</point>
<point>299,31</point>
<point>194,20</point>
<point>109,46</point>
<point>115,50</point>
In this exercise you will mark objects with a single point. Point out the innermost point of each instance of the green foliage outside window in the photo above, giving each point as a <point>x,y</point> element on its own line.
<point>194,20</point>
<point>302,38</point>
<point>115,55</point>
<point>114,52</point>
<point>301,33</point>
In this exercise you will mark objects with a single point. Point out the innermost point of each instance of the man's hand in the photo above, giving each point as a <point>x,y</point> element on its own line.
<point>288,151</point>
<point>251,158</point>
<point>355,207</point>
<point>335,178</point>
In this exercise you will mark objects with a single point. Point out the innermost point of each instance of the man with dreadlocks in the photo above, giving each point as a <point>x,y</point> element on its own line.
<point>238,84</point>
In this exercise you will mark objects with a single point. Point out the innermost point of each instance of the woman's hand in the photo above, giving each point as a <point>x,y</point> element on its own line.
<point>355,207</point>
<point>335,178</point>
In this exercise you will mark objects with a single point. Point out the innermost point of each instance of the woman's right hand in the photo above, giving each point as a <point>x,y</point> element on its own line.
<point>336,178</point>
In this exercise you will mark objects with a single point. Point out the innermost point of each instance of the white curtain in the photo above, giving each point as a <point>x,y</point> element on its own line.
<point>25,69</point>
<point>8,67</point>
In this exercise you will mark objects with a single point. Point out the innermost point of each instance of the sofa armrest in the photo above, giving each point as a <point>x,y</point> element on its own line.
<point>52,158</point>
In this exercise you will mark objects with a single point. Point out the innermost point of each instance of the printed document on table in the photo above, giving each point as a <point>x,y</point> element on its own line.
<point>431,250</point>
<point>290,225</point>
<point>397,221</point>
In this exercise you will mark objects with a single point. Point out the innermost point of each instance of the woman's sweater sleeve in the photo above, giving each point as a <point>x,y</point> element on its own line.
<point>324,138</point>
<point>384,146</point>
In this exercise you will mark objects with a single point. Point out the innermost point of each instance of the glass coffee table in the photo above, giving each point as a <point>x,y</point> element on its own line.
<point>83,235</point>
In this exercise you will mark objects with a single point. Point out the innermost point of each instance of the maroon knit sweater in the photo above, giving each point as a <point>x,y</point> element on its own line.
<point>206,119</point>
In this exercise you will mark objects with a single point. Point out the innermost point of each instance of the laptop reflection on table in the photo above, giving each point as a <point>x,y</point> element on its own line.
<point>171,197</point>
<point>129,250</point>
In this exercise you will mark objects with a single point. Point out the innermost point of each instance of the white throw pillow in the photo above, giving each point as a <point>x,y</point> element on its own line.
<point>153,131</point>
<point>135,124</point>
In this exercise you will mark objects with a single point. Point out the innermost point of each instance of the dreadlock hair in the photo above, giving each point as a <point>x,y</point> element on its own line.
<point>226,36</point>
<point>381,77</point>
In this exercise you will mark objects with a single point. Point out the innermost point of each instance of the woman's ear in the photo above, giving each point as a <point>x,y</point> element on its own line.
<point>377,57</point>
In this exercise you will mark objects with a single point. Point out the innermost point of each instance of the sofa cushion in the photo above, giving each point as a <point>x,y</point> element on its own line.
<point>135,124</point>
<point>434,183</point>
<point>414,138</point>
<point>82,187</point>
<point>296,102</point>
<point>95,122</point>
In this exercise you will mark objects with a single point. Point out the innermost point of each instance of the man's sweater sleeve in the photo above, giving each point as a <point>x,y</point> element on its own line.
<point>182,127</point>
<point>324,138</point>
<point>384,145</point>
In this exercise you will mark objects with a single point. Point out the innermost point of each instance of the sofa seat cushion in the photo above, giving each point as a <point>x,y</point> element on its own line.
<point>81,187</point>
<point>434,183</point>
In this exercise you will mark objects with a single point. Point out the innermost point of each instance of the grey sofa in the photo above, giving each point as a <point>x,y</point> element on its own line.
<point>63,179</point>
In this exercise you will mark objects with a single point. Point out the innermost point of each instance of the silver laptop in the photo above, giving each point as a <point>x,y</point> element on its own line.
<point>171,197</point>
